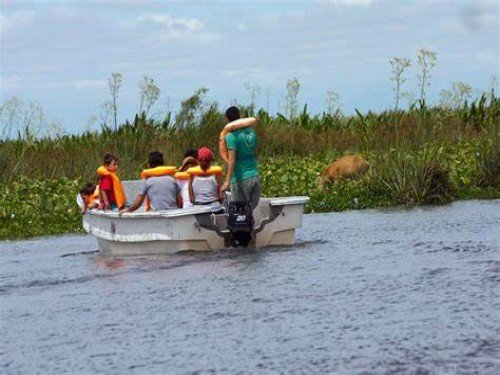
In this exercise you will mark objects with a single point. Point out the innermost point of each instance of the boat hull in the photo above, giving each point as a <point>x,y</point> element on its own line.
<point>194,228</point>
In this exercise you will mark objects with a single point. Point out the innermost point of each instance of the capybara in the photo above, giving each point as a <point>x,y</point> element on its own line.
<point>347,167</point>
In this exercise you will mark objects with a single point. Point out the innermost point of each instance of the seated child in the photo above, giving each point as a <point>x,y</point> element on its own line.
<point>182,177</point>
<point>111,193</point>
<point>88,197</point>
<point>190,160</point>
<point>205,181</point>
<point>159,186</point>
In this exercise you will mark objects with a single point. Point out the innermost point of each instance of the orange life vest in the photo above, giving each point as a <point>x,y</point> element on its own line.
<point>91,199</point>
<point>117,185</point>
<point>197,171</point>
<point>182,176</point>
<point>212,171</point>
<point>224,154</point>
<point>94,196</point>
<point>156,172</point>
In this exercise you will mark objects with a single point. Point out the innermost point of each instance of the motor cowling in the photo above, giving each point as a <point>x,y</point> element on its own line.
<point>240,222</point>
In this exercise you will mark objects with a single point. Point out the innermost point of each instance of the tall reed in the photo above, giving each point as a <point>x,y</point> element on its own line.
<point>74,156</point>
<point>423,155</point>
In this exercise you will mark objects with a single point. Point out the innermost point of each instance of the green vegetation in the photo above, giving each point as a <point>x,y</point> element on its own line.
<point>38,207</point>
<point>421,155</point>
<point>418,156</point>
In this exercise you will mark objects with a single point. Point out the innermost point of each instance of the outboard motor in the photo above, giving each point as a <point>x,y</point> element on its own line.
<point>240,222</point>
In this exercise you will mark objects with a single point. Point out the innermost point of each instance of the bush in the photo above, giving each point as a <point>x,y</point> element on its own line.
<point>488,161</point>
<point>39,207</point>
<point>413,177</point>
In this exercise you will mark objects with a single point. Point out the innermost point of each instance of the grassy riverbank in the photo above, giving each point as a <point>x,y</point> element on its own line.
<point>419,156</point>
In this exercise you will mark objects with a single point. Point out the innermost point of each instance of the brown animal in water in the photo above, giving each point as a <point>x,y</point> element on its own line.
<point>347,167</point>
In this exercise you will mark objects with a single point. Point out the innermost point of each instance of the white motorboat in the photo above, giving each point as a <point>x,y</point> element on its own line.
<point>193,228</point>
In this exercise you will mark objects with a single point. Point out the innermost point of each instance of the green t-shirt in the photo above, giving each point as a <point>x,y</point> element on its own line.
<point>244,142</point>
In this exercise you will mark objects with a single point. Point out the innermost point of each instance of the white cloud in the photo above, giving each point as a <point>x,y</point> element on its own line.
<point>12,82</point>
<point>472,18</point>
<point>269,76</point>
<point>480,17</point>
<point>65,12</point>
<point>77,84</point>
<point>15,19</point>
<point>356,3</point>
<point>204,37</point>
<point>174,28</point>
<point>89,84</point>
<point>452,25</point>
<point>171,23</point>
<point>242,72</point>
<point>339,45</point>
<point>485,58</point>
<point>183,73</point>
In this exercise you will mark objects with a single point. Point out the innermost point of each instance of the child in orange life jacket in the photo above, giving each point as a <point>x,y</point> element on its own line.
<point>190,159</point>
<point>111,194</point>
<point>205,181</point>
<point>88,197</point>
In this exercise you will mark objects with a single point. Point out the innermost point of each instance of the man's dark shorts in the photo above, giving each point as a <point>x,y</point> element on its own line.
<point>247,190</point>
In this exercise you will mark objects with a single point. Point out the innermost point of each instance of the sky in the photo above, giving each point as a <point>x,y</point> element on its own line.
<point>61,53</point>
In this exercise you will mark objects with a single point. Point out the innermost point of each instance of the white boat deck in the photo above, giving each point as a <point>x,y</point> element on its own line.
<point>193,228</point>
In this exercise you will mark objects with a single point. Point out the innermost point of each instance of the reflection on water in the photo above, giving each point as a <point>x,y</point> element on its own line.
<point>412,291</point>
<point>110,263</point>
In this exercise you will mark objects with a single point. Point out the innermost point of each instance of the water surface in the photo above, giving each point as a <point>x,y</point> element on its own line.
<point>412,291</point>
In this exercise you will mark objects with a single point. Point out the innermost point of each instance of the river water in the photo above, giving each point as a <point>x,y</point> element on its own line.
<point>375,291</point>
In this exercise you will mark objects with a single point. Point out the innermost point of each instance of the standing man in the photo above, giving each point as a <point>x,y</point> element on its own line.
<point>242,171</point>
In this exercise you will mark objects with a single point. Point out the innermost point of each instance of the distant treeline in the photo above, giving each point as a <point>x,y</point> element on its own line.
<point>195,125</point>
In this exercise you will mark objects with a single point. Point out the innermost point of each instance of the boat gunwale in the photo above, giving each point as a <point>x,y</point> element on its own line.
<point>177,212</point>
<point>195,210</point>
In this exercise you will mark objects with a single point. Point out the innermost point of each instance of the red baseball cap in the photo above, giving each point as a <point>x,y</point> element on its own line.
<point>205,153</point>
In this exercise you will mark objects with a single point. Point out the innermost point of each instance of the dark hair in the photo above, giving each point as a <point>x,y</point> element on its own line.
<point>191,152</point>
<point>87,189</point>
<point>109,157</point>
<point>187,163</point>
<point>155,159</point>
<point>233,113</point>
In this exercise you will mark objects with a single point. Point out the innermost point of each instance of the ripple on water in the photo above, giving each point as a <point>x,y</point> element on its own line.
<point>492,272</point>
<point>456,247</point>
<point>398,291</point>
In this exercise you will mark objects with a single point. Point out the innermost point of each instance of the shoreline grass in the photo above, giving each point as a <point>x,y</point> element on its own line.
<point>47,206</point>
<point>418,156</point>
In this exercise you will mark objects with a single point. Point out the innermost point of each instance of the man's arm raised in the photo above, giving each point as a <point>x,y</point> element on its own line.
<point>241,123</point>
<point>230,169</point>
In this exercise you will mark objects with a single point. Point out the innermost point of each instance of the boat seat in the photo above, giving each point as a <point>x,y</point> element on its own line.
<point>132,189</point>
